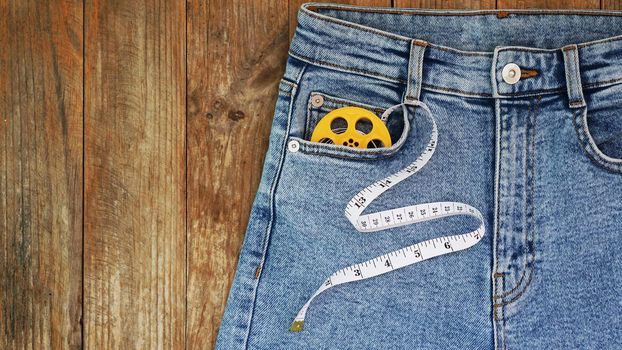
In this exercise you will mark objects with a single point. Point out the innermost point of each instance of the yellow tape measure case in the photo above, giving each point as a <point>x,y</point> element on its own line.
<point>352,127</point>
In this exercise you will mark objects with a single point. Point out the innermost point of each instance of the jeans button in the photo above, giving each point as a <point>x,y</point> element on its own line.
<point>511,73</point>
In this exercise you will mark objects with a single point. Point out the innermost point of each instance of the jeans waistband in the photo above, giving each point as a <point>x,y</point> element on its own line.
<point>466,51</point>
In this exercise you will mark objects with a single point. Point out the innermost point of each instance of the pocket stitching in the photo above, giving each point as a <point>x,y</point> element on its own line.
<point>357,154</point>
<point>335,102</point>
<point>310,148</point>
<point>589,146</point>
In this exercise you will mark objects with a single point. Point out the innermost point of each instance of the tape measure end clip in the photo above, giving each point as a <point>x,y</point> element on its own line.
<point>297,326</point>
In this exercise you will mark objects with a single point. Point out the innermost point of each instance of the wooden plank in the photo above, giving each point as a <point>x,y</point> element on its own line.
<point>236,56</point>
<point>40,174</point>
<point>447,4</point>
<point>548,4</point>
<point>612,4</point>
<point>134,239</point>
<point>294,5</point>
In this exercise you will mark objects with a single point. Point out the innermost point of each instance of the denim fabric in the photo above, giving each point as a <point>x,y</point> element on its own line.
<point>540,159</point>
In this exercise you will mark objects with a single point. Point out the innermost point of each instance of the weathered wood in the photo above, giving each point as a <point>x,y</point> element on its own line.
<point>294,5</point>
<point>236,55</point>
<point>611,4</point>
<point>447,4</point>
<point>134,219</point>
<point>548,4</point>
<point>40,174</point>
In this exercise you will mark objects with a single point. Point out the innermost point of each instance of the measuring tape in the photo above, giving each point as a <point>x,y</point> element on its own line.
<point>398,217</point>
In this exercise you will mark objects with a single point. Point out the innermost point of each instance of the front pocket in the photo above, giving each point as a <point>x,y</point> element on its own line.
<point>320,104</point>
<point>340,151</point>
<point>599,127</point>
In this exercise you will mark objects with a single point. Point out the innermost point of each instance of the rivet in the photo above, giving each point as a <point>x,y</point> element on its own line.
<point>317,101</point>
<point>293,146</point>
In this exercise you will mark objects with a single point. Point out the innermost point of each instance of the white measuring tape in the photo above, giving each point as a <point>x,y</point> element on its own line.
<point>398,217</point>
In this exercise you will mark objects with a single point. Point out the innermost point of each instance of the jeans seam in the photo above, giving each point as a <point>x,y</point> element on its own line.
<point>606,40</point>
<point>355,26</point>
<point>526,268</point>
<point>582,134</point>
<point>345,68</point>
<point>531,92</point>
<point>499,317</point>
<point>392,79</point>
<point>519,294</point>
<point>601,83</point>
<point>458,91</point>
<point>292,85</point>
<point>499,307</point>
<point>460,52</point>
<point>273,187</point>
<point>499,280</point>
<point>498,211</point>
<point>319,152</point>
<point>382,76</point>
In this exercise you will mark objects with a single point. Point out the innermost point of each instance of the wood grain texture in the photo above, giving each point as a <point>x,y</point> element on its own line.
<point>134,243</point>
<point>236,56</point>
<point>40,174</point>
<point>447,4</point>
<point>548,4</point>
<point>611,4</point>
<point>294,6</point>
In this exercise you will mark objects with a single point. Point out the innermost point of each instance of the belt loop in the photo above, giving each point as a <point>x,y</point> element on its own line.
<point>573,76</point>
<point>415,70</point>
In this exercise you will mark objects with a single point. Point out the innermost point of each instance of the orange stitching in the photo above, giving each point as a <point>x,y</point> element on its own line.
<point>528,73</point>
<point>533,253</point>
<point>517,296</point>
<point>504,293</point>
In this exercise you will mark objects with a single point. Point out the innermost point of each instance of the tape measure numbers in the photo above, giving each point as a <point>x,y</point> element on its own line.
<point>398,217</point>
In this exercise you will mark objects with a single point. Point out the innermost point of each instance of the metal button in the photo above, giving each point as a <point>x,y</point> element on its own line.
<point>293,146</point>
<point>317,101</point>
<point>511,73</point>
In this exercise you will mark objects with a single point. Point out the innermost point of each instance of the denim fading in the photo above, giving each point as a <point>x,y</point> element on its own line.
<point>541,159</point>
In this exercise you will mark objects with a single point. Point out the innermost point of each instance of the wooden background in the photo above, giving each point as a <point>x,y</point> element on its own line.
<point>132,135</point>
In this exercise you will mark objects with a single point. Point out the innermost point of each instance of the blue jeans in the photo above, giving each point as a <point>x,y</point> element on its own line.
<point>528,110</point>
